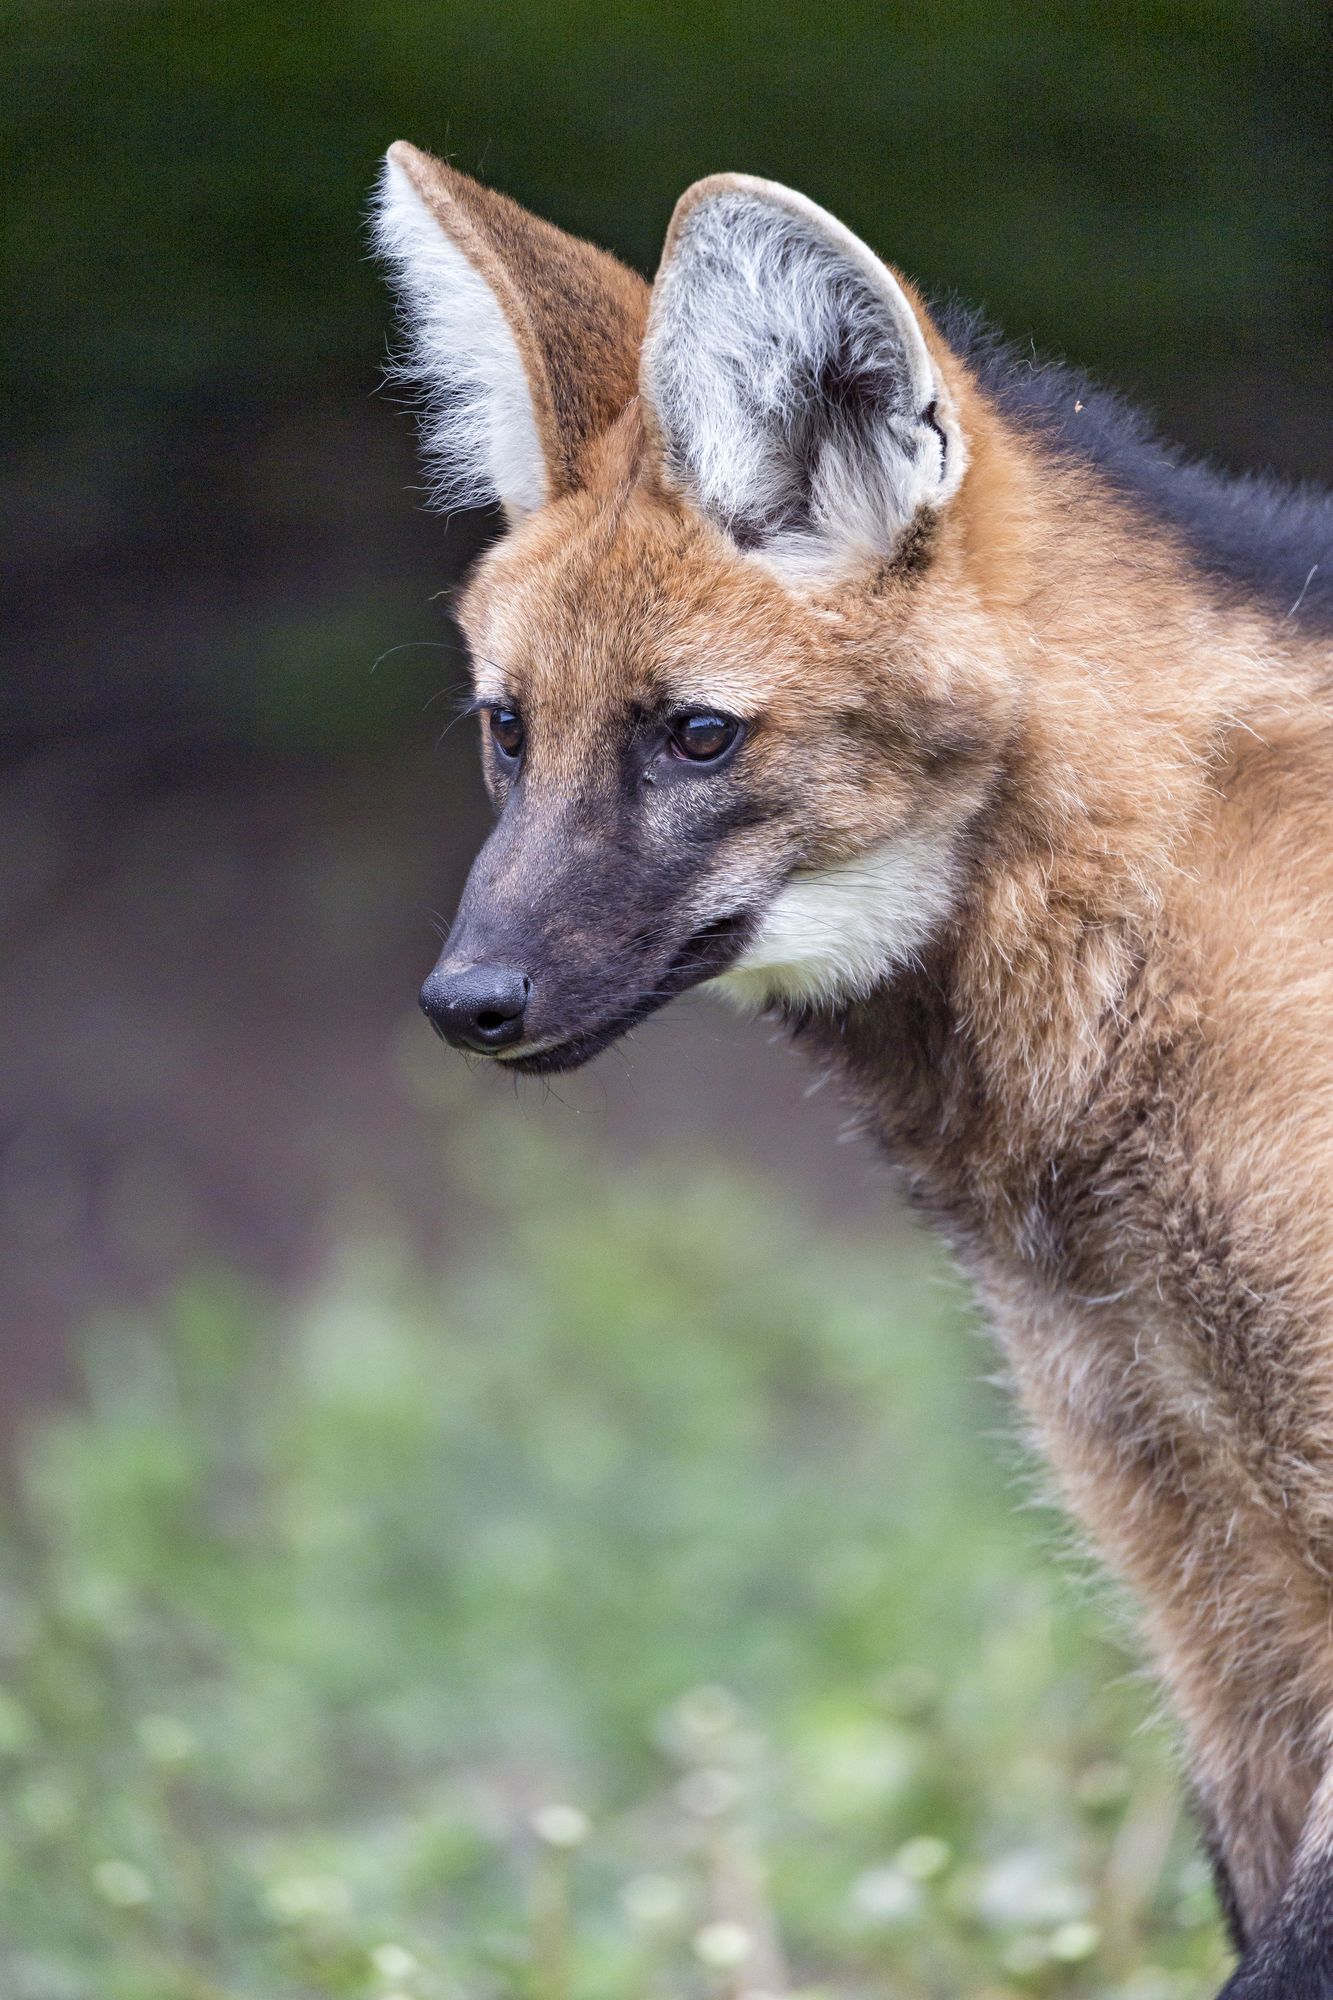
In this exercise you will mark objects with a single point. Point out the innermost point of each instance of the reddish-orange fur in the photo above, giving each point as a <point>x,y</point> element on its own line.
<point>1110,1075</point>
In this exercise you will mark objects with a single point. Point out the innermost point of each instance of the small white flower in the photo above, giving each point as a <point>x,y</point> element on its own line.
<point>561,1825</point>
<point>708,1793</point>
<point>1073,1942</point>
<point>723,1945</point>
<point>703,1725</point>
<point>707,1712</point>
<point>653,1899</point>
<point>885,1896</point>
<point>858,1767</point>
<point>122,1884</point>
<point>924,1858</point>
<point>1023,1888</point>
<point>392,1961</point>
<point>297,1898</point>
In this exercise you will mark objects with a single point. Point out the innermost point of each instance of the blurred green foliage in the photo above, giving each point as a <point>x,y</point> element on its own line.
<point>195,328</point>
<point>1146,183</point>
<point>636,1613</point>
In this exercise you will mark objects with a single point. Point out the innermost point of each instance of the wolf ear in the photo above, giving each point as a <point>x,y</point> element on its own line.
<point>789,383</point>
<point>524,340</point>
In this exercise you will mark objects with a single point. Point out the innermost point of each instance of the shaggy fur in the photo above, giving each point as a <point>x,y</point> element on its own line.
<point>1254,538</point>
<point>1026,824</point>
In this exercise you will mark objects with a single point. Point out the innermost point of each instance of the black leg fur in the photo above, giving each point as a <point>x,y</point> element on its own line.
<point>1292,1957</point>
<point>1222,1883</point>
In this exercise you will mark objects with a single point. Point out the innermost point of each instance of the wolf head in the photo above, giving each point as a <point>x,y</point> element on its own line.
<point>734,657</point>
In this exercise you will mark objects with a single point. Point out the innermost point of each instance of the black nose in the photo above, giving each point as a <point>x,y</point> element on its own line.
<point>480,1007</point>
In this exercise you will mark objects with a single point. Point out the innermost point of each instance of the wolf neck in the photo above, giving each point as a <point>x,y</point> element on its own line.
<point>979,981</point>
<point>981,994</point>
<point>1034,969</point>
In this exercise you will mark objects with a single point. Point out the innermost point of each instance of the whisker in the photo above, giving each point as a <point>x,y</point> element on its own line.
<point>408,645</point>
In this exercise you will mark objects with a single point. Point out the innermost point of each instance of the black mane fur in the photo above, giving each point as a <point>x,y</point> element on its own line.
<point>1258,540</point>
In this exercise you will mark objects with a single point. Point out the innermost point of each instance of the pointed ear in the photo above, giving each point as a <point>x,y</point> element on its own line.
<point>524,340</point>
<point>788,381</point>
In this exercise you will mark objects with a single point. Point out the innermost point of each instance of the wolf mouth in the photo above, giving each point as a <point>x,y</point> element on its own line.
<point>705,953</point>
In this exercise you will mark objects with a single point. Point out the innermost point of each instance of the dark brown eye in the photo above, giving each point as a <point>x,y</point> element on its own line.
<point>703,738</point>
<point>507,731</point>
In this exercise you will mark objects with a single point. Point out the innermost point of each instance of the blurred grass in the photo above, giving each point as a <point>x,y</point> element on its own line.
<point>637,1610</point>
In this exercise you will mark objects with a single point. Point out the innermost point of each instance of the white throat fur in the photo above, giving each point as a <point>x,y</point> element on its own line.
<point>833,934</point>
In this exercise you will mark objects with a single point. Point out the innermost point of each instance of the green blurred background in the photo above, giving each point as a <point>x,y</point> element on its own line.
<point>392,1458</point>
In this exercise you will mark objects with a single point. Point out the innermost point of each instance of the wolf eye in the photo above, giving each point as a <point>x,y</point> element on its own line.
<point>703,738</point>
<point>507,731</point>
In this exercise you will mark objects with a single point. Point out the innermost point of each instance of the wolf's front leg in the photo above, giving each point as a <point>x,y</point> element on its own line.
<point>1293,1960</point>
<point>1290,1956</point>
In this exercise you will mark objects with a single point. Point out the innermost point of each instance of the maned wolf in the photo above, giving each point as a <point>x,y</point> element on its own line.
<point>838,656</point>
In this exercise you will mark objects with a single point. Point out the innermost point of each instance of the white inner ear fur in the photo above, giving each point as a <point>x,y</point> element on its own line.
<point>479,429</point>
<point>833,934</point>
<point>795,394</point>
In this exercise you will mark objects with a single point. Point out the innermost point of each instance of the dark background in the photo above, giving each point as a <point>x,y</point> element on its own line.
<point>231,807</point>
